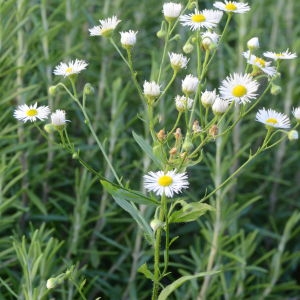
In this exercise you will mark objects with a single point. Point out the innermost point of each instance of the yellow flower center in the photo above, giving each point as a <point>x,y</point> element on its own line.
<point>198,18</point>
<point>239,91</point>
<point>165,180</point>
<point>260,61</point>
<point>271,121</point>
<point>31,112</point>
<point>230,6</point>
<point>69,70</point>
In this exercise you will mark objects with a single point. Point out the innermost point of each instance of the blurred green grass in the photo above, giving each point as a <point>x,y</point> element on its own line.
<point>40,183</point>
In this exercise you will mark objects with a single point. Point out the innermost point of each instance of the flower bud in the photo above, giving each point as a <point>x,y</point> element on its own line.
<point>155,224</point>
<point>188,48</point>
<point>275,89</point>
<point>293,135</point>
<point>52,90</point>
<point>253,44</point>
<point>88,89</point>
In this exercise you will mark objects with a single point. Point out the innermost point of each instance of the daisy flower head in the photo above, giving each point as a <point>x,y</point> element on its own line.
<point>209,40</point>
<point>183,103</point>
<point>232,6</point>
<point>31,113</point>
<point>128,39</point>
<point>167,184</point>
<point>171,11</point>
<point>208,98</point>
<point>106,27</point>
<point>219,106</point>
<point>273,119</point>
<point>296,113</point>
<point>280,55</point>
<point>178,61</point>
<point>207,18</point>
<point>240,88</point>
<point>260,64</point>
<point>73,67</point>
<point>151,90</point>
<point>189,84</point>
<point>58,118</point>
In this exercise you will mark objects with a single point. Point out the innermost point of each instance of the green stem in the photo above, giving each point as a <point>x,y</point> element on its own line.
<point>157,246</point>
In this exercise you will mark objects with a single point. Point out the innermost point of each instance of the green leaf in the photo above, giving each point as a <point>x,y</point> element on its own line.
<point>123,200</point>
<point>189,212</point>
<point>144,270</point>
<point>147,149</point>
<point>177,283</point>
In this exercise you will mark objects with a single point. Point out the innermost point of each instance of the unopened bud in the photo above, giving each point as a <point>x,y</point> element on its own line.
<point>161,135</point>
<point>49,128</point>
<point>293,135</point>
<point>275,89</point>
<point>155,224</point>
<point>52,90</point>
<point>188,48</point>
<point>88,89</point>
<point>178,134</point>
<point>161,34</point>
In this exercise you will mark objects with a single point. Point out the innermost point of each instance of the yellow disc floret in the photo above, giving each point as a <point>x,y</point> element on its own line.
<point>260,61</point>
<point>230,6</point>
<point>239,91</point>
<point>165,180</point>
<point>69,70</point>
<point>31,112</point>
<point>198,18</point>
<point>272,121</point>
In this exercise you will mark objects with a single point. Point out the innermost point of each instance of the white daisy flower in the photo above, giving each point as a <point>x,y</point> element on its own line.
<point>281,55</point>
<point>189,84</point>
<point>128,38</point>
<point>168,184</point>
<point>183,103</point>
<point>209,39</point>
<point>207,18</point>
<point>296,113</point>
<point>253,44</point>
<point>272,118</point>
<point>31,113</point>
<point>219,106</point>
<point>151,89</point>
<point>171,10</point>
<point>73,67</point>
<point>260,63</point>
<point>178,61</point>
<point>58,118</point>
<point>241,88</point>
<point>208,98</point>
<point>232,6</point>
<point>106,27</point>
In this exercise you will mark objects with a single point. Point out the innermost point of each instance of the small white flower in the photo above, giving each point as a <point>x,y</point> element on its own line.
<point>171,10</point>
<point>241,88</point>
<point>31,113</point>
<point>209,39</point>
<point>219,106</point>
<point>189,84</point>
<point>167,184</point>
<point>208,98</point>
<point>183,103</point>
<point>296,113</point>
<point>272,118</point>
<point>73,67</point>
<point>178,61</point>
<point>58,118</point>
<point>106,27</point>
<point>281,55</point>
<point>151,89</point>
<point>207,18</point>
<point>260,63</point>
<point>128,38</point>
<point>232,6</point>
<point>253,44</point>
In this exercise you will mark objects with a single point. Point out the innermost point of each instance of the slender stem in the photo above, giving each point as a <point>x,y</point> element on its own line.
<point>157,246</point>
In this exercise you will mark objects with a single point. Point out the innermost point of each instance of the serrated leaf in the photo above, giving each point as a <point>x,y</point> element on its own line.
<point>177,283</point>
<point>144,270</point>
<point>190,212</point>
<point>147,149</point>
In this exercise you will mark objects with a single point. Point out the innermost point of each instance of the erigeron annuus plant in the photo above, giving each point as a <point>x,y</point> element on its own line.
<point>203,117</point>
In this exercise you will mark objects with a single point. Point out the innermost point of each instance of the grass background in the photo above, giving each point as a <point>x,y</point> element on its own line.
<point>53,214</point>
